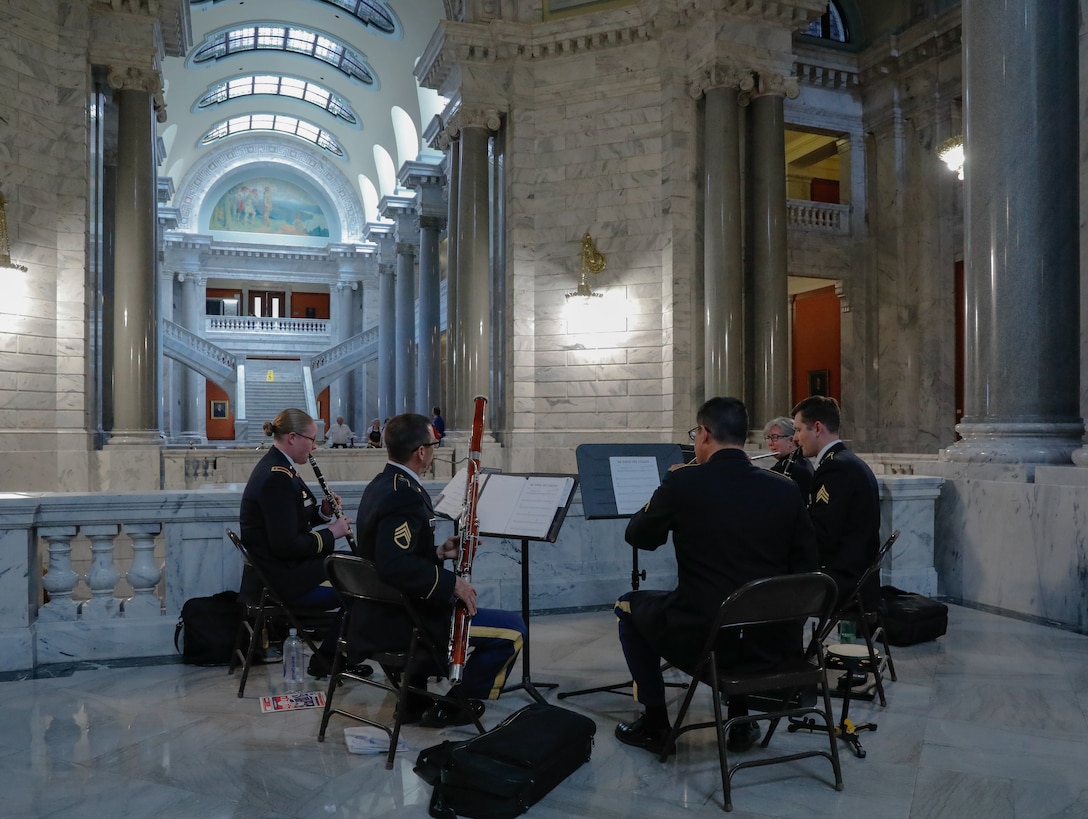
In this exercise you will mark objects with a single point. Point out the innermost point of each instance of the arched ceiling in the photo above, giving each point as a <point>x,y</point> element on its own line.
<point>371,146</point>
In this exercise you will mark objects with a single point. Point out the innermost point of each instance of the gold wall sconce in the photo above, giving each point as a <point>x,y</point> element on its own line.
<point>5,244</point>
<point>592,263</point>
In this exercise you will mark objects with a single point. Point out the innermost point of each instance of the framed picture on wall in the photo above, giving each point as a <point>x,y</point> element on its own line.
<point>220,409</point>
<point>819,382</point>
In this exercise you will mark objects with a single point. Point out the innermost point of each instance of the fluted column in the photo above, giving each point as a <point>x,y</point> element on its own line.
<point>387,340</point>
<point>770,298</point>
<point>1021,234</point>
<point>429,354</point>
<point>406,328</point>
<point>473,261</point>
<point>456,417</point>
<point>134,317</point>
<point>193,416</point>
<point>723,249</point>
<point>340,298</point>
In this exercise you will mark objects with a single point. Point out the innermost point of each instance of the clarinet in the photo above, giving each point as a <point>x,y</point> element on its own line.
<point>337,512</point>
<point>469,540</point>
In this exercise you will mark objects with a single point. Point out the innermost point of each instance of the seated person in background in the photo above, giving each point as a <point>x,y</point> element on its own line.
<point>340,435</point>
<point>439,424</point>
<point>789,460</point>
<point>844,503</point>
<point>731,522</point>
<point>286,530</point>
<point>396,531</point>
<point>374,435</point>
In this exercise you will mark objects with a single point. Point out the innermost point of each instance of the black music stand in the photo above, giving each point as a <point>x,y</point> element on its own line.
<point>600,503</point>
<point>533,513</point>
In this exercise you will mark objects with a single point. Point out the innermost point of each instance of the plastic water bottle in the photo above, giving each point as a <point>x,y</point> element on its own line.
<point>294,660</point>
<point>847,633</point>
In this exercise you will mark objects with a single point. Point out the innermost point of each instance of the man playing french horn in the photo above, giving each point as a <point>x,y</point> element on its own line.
<point>395,529</point>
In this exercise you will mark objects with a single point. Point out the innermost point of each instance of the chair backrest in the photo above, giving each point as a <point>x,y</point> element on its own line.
<point>250,563</point>
<point>874,567</point>
<point>779,599</point>
<point>357,578</point>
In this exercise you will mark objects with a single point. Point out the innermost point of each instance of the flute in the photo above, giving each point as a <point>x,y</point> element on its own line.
<point>469,541</point>
<point>337,512</point>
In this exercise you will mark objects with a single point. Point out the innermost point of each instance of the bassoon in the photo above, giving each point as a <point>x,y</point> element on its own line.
<point>337,512</point>
<point>469,539</point>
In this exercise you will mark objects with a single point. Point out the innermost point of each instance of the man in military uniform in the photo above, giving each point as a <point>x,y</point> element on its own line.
<point>844,503</point>
<point>286,530</point>
<point>396,531</point>
<point>731,523</point>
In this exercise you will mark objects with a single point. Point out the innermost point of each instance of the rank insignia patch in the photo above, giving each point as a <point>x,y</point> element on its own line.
<point>402,535</point>
<point>822,496</point>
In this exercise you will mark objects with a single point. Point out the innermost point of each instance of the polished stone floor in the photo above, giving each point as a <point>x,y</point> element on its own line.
<point>989,721</point>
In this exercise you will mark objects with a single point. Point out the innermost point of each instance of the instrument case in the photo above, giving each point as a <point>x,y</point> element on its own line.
<point>501,773</point>
<point>912,618</point>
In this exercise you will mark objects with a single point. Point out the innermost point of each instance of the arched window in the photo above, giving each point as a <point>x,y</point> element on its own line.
<point>374,14</point>
<point>831,25</point>
<point>278,123</point>
<point>281,86</point>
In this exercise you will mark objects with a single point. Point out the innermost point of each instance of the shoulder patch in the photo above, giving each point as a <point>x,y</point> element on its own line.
<point>822,496</point>
<point>284,470</point>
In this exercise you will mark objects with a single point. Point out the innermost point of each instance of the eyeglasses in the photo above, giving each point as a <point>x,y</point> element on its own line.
<point>430,443</point>
<point>774,439</point>
<point>307,437</point>
<point>694,431</point>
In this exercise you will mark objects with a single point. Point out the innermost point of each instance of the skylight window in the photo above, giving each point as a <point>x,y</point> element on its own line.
<point>293,39</point>
<point>281,86</point>
<point>829,26</point>
<point>371,13</point>
<point>276,123</point>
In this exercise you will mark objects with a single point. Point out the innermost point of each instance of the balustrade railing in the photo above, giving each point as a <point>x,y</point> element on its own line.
<point>257,324</point>
<point>821,216</point>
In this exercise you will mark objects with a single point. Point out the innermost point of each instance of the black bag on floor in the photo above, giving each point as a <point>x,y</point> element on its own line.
<point>500,774</point>
<point>912,618</point>
<point>207,627</point>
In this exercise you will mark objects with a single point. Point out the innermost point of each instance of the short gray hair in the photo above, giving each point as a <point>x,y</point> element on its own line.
<point>783,423</point>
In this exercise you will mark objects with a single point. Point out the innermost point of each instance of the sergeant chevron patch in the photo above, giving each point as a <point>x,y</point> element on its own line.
<point>822,496</point>
<point>402,535</point>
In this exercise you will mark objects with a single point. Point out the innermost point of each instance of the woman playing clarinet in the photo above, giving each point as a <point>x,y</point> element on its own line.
<point>286,530</point>
<point>396,531</point>
<point>789,460</point>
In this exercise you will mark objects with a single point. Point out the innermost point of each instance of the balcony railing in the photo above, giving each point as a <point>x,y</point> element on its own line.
<point>818,216</point>
<point>257,324</point>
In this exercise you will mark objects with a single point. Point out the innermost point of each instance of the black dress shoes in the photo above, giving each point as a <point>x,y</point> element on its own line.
<point>444,714</point>
<point>742,737</point>
<point>320,666</point>
<point>639,735</point>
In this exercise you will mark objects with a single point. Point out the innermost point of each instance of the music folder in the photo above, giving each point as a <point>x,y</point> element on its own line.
<point>530,507</point>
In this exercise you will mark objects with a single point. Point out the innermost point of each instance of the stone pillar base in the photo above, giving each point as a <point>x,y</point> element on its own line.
<point>129,467</point>
<point>1041,443</point>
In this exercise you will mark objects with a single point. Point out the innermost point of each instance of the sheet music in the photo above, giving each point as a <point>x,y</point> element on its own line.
<point>450,502</point>
<point>634,480</point>
<point>521,506</point>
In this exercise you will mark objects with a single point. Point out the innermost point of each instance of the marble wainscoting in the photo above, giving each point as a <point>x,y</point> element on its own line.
<point>1014,546</point>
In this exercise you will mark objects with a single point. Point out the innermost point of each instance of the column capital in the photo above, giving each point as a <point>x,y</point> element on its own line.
<point>489,118</point>
<point>721,74</point>
<point>406,248</point>
<point>134,78</point>
<point>770,84</point>
<point>432,222</point>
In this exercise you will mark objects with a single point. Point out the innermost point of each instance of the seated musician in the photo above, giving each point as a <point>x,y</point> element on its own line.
<point>287,531</point>
<point>374,435</point>
<point>788,458</point>
<point>396,531</point>
<point>731,522</point>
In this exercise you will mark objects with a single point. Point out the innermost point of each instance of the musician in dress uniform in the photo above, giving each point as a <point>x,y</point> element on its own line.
<point>286,529</point>
<point>844,502</point>
<point>731,522</point>
<point>396,531</point>
<point>788,458</point>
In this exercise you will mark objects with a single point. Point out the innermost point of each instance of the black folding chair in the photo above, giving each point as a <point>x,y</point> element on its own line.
<point>782,599</point>
<point>858,659</point>
<point>264,607</point>
<point>356,579</point>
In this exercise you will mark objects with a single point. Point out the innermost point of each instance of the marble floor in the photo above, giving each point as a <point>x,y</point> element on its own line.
<point>989,721</point>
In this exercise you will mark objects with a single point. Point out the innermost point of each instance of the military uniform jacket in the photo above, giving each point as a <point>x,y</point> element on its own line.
<point>731,523</point>
<point>845,511</point>
<point>799,470</point>
<point>277,515</point>
<point>395,529</point>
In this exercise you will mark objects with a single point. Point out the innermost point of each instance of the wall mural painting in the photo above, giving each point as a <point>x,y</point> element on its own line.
<point>265,205</point>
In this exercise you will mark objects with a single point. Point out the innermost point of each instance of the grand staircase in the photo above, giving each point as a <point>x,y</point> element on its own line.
<point>271,385</point>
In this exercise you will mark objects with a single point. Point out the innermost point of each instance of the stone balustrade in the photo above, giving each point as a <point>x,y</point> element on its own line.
<point>87,577</point>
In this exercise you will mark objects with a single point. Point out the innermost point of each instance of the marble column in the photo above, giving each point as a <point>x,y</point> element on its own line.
<point>770,301</point>
<point>723,248</point>
<point>193,417</point>
<point>387,326</point>
<point>429,354</point>
<point>340,298</point>
<point>456,417</point>
<point>405,343</point>
<point>1021,234</point>
<point>473,265</point>
<point>135,306</point>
